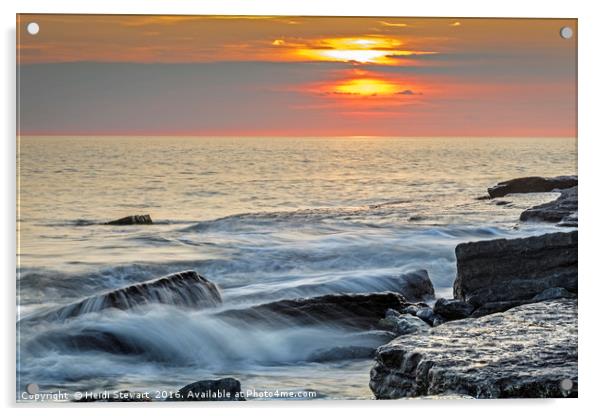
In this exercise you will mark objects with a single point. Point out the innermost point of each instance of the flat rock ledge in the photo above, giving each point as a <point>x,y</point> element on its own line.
<point>562,210</point>
<point>531,184</point>
<point>529,352</point>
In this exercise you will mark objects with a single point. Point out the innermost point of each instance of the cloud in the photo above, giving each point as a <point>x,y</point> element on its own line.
<point>408,92</point>
<point>389,24</point>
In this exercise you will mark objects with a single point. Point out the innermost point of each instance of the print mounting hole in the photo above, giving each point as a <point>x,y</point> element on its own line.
<point>566,32</point>
<point>33,28</point>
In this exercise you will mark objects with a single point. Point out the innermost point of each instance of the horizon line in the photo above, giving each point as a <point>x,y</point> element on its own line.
<point>575,136</point>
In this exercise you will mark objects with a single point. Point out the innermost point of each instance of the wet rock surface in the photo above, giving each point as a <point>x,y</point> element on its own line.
<point>531,184</point>
<point>515,270</point>
<point>362,311</point>
<point>562,210</point>
<point>188,289</point>
<point>132,220</point>
<point>527,351</point>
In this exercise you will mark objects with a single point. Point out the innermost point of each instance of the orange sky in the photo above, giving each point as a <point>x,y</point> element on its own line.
<point>198,75</point>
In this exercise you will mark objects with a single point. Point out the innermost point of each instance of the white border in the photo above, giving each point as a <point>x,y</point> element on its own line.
<point>590,139</point>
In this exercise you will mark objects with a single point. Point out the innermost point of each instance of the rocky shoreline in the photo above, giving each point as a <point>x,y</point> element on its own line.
<point>512,325</point>
<point>509,331</point>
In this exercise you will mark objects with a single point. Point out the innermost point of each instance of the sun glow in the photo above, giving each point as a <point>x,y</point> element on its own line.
<point>365,86</point>
<point>375,50</point>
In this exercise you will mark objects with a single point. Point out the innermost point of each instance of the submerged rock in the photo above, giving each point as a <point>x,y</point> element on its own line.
<point>531,184</point>
<point>188,289</point>
<point>418,286</point>
<point>515,270</point>
<point>562,210</point>
<point>132,220</point>
<point>348,310</point>
<point>528,351</point>
<point>452,309</point>
<point>223,389</point>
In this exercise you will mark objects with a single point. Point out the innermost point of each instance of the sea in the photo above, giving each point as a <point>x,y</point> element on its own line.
<point>265,218</point>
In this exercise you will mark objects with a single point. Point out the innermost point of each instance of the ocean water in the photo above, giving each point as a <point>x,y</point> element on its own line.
<point>265,219</point>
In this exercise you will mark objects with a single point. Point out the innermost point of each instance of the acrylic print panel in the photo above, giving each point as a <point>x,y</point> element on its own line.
<point>296,208</point>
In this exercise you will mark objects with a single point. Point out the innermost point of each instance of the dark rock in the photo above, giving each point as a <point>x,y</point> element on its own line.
<point>531,184</point>
<point>402,324</point>
<point>514,270</point>
<point>569,221</point>
<point>495,307</point>
<point>90,339</point>
<point>452,309</point>
<point>563,209</point>
<point>341,353</point>
<point>413,308</point>
<point>529,351</point>
<point>502,203</point>
<point>418,286</point>
<point>553,293</point>
<point>346,310</point>
<point>188,289</point>
<point>132,220</point>
<point>427,315</point>
<point>220,390</point>
<point>482,198</point>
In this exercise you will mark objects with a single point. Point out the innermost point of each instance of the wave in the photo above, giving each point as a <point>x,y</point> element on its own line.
<point>167,334</point>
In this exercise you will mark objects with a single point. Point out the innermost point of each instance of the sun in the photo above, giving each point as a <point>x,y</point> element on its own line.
<point>364,50</point>
<point>365,86</point>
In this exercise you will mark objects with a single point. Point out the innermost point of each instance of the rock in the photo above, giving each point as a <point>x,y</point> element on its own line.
<point>220,390</point>
<point>132,220</point>
<point>413,308</point>
<point>494,307</point>
<point>529,352</point>
<point>515,270</point>
<point>502,202</point>
<point>569,221</point>
<point>418,286</point>
<point>402,324</point>
<point>452,309</point>
<point>427,315</point>
<point>553,293</point>
<point>361,311</point>
<point>341,353</point>
<point>563,209</point>
<point>188,289</point>
<point>531,184</point>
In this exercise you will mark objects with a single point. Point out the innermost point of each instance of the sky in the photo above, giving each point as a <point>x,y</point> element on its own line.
<point>295,76</point>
